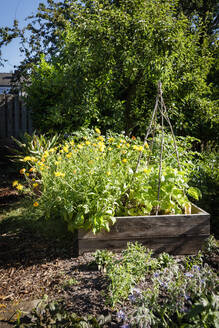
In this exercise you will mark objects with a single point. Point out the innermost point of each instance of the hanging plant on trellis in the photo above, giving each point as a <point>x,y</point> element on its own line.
<point>165,189</point>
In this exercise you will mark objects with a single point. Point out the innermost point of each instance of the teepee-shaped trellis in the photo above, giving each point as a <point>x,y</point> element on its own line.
<point>159,108</point>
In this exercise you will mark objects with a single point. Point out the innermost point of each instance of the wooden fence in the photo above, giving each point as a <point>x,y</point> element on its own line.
<point>15,119</point>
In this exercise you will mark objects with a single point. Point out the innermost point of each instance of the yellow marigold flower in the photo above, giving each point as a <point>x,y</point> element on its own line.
<point>65,148</point>
<point>135,147</point>
<point>133,138</point>
<point>33,179</point>
<point>94,144</point>
<point>27,158</point>
<point>72,143</point>
<point>110,148</point>
<point>19,186</point>
<point>140,148</point>
<point>51,150</point>
<point>147,171</point>
<point>43,159</point>
<point>35,185</point>
<point>27,174</point>
<point>100,138</point>
<point>69,155</point>
<point>127,145</point>
<point>74,171</point>
<point>124,152</point>
<point>35,204</point>
<point>118,146</point>
<point>98,131</point>
<point>46,153</point>
<point>32,169</point>
<point>15,183</point>
<point>59,174</point>
<point>108,173</point>
<point>80,146</point>
<point>122,141</point>
<point>146,145</point>
<point>87,143</point>
<point>124,160</point>
<point>22,171</point>
<point>111,139</point>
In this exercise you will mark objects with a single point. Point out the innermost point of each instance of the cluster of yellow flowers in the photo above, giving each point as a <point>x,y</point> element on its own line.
<point>52,160</point>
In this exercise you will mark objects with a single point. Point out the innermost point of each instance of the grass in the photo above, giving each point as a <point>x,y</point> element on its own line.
<point>16,218</point>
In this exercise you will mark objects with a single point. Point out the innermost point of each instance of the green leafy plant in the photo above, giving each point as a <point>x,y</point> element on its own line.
<point>104,259</point>
<point>53,314</point>
<point>179,295</point>
<point>90,180</point>
<point>33,145</point>
<point>124,273</point>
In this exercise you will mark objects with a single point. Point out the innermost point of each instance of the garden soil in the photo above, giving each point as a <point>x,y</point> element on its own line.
<point>32,267</point>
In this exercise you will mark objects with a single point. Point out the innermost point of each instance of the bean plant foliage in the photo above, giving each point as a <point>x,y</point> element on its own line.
<point>90,178</point>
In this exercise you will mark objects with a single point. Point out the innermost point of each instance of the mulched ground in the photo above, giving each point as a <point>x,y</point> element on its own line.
<point>31,267</point>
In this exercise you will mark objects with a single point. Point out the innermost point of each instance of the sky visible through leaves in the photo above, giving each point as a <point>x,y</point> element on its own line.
<point>10,10</point>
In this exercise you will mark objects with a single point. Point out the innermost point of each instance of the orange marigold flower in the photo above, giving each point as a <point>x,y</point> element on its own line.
<point>35,204</point>
<point>22,171</point>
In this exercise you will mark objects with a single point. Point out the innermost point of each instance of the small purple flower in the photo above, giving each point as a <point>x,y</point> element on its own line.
<point>163,284</point>
<point>189,274</point>
<point>136,291</point>
<point>156,274</point>
<point>124,326</point>
<point>121,315</point>
<point>132,298</point>
<point>196,267</point>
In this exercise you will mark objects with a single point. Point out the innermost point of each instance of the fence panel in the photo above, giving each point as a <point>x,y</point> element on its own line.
<point>2,117</point>
<point>15,118</point>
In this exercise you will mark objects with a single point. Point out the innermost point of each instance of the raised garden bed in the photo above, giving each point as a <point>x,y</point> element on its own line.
<point>176,234</point>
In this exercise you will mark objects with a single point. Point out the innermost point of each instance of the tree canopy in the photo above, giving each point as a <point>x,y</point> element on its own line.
<point>98,63</point>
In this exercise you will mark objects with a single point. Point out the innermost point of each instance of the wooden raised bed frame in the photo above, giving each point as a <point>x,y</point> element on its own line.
<point>181,234</point>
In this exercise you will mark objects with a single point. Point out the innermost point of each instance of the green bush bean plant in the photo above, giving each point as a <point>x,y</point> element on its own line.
<point>90,179</point>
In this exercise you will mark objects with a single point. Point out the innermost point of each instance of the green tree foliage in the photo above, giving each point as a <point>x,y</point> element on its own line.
<point>111,57</point>
<point>98,63</point>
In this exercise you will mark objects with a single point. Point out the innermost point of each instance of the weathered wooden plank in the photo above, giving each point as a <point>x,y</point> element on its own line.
<point>16,116</point>
<point>9,116</point>
<point>2,117</point>
<point>175,245</point>
<point>176,234</point>
<point>130,227</point>
<point>23,118</point>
